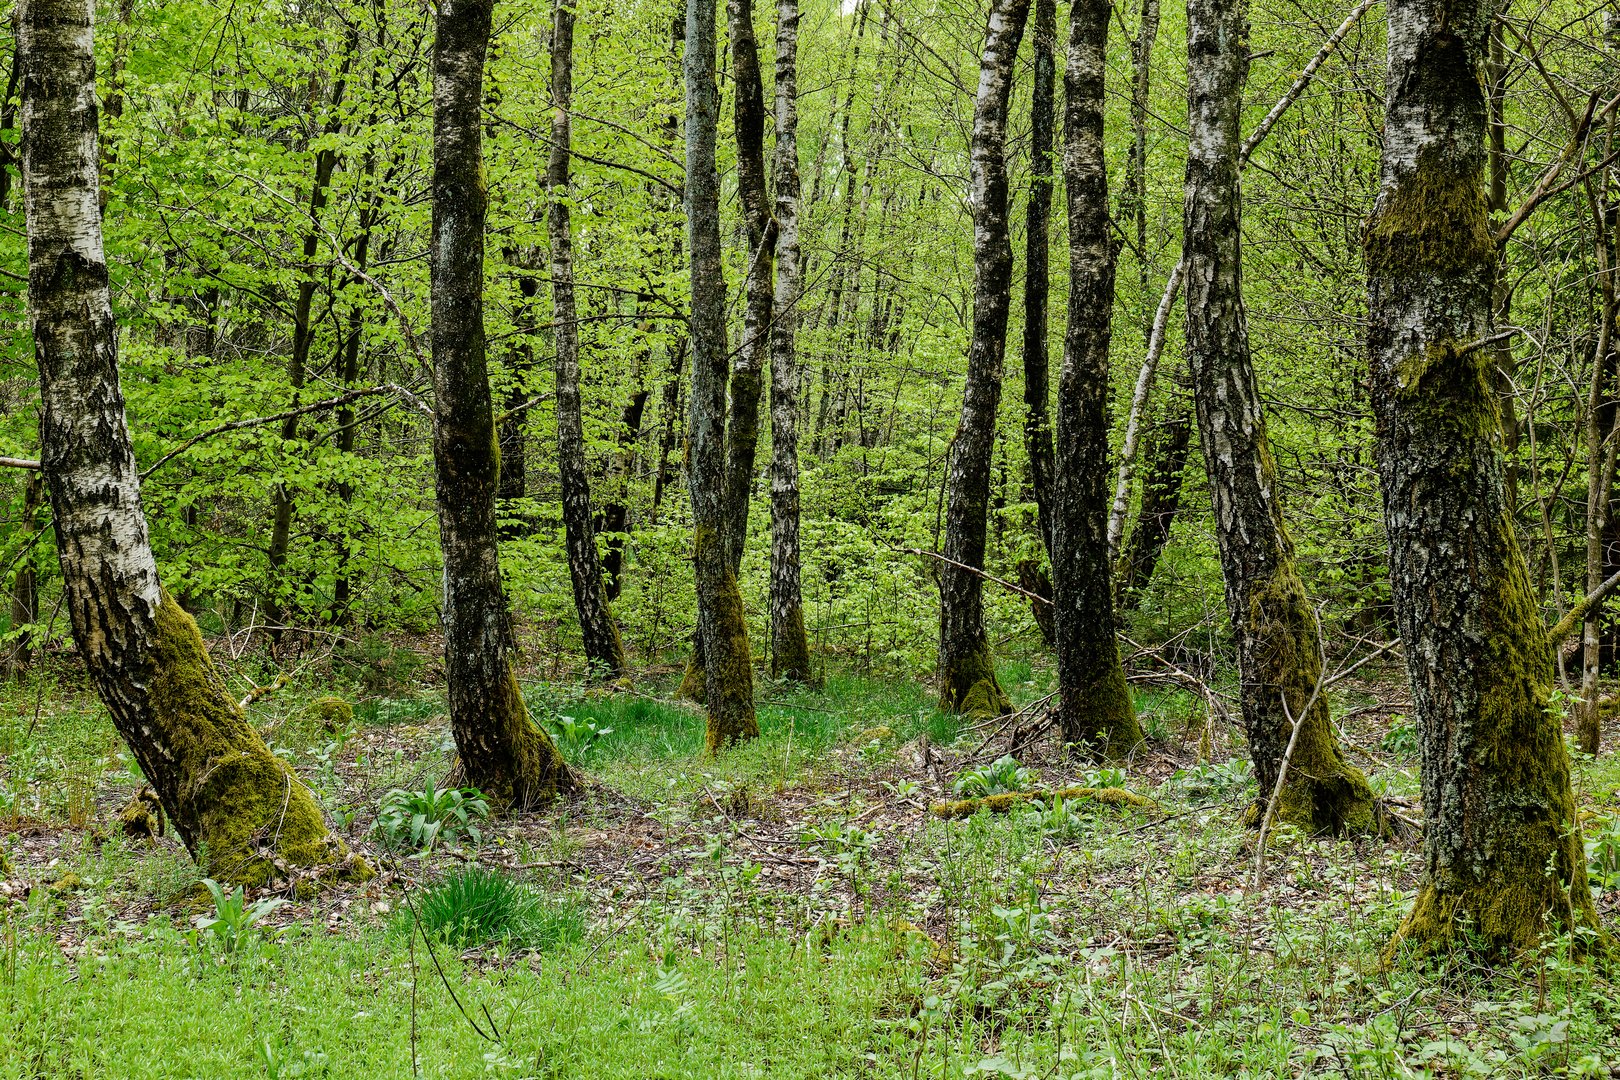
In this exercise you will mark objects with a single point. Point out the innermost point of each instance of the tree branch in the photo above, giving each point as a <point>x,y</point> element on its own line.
<point>1578,611</point>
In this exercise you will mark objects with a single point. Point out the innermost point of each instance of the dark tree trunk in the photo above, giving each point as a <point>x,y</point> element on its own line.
<point>747,383</point>
<point>221,787</point>
<point>604,653</point>
<point>967,672</point>
<point>303,338</point>
<point>790,645</point>
<point>1503,861</point>
<point>502,751</point>
<point>513,430</point>
<point>722,627</point>
<point>1037,381</point>
<point>1095,705</point>
<point>1164,466</point>
<point>616,511</point>
<point>25,582</point>
<point>1279,652</point>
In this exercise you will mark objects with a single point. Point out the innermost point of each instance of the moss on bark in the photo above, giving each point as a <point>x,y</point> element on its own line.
<point>237,801</point>
<point>729,688</point>
<point>968,686</point>
<point>1435,222</point>
<point>1323,792</point>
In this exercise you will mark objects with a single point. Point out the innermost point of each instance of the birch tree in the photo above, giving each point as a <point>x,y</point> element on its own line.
<point>237,807</point>
<point>1502,853</point>
<point>1285,715</point>
<point>967,672</point>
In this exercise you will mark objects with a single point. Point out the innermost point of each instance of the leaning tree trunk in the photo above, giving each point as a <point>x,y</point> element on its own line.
<point>1503,859</point>
<point>722,628</point>
<point>967,671</point>
<point>1279,655</point>
<point>502,751</point>
<point>1164,464</point>
<point>1095,705</point>
<point>231,800</point>
<point>1038,240</point>
<point>790,646</point>
<point>604,652</point>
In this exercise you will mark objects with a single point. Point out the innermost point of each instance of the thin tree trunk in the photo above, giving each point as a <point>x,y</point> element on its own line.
<point>513,427</point>
<point>790,645</point>
<point>616,511</point>
<point>303,337</point>
<point>1502,850</point>
<point>25,582</point>
<point>1095,706</point>
<point>226,794</point>
<point>722,627</point>
<point>1037,381</point>
<point>1279,653</point>
<point>501,749</point>
<point>967,671</point>
<point>604,653</point>
<point>1165,464</point>
<point>747,369</point>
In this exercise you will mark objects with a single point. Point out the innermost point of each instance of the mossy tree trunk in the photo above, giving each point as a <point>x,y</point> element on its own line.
<point>237,807</point>
<point>722,629</point>
<point>604,652</point>
<point>967,671</point>
<point>1502,852</point>
<point>1095,705</point>
<point>790,645</point>
<point>502,751</point>
<point>1279,654</point>
<point>1037,276</point>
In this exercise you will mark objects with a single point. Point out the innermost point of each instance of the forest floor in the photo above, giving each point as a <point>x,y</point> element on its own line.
<point>788,909</point>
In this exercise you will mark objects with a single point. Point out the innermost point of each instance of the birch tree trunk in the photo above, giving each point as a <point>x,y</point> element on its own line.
<point>1501,845</point>
<point>1279,654</point>
<point>1037,286</point>
<point>234,804</point>
<point>502,751</point>
<point>1095,705</point>
<point>604,652</point>
<point>722,628</point>
<point>790,645</point>
<point>967,672</point>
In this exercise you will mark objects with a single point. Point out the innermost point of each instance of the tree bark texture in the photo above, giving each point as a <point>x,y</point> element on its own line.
<point>722,627</point>
<point>1279,652</point>
<point>604,652</point>
<point>790,645</point>
<point>747,369</point>
<point>502,751</point>
<point>237,807</point>
<point>1037,283</point>
<point>967,673</point>
<point>1501,845</point>
<point>1094,702</point>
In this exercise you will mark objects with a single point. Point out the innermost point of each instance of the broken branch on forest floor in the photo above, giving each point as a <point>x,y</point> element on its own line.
<point>1000,804</point>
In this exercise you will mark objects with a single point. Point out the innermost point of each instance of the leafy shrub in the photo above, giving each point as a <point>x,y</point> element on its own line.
<point>234,922</point>
<point>1603,852</point>
<point>577,738</point>
<point>419,819</point>
<point>999,777</point>
<point>1401,738</point>
<point>1224,778</point>
<point>476,906</point>
<point>1056,822</point>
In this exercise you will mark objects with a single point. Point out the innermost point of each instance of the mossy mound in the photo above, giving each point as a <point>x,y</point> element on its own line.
<point>333,713</point>
<point>142,817</point>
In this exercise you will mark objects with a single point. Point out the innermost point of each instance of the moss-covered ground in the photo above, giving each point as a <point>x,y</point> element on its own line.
<point>788,908</point>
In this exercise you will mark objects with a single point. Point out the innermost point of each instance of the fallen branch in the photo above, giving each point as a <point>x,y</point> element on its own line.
<point>1000,804</point>
<point>18,463</point>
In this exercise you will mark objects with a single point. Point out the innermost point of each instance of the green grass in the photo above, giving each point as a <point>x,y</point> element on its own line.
<point>1022,945</point>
